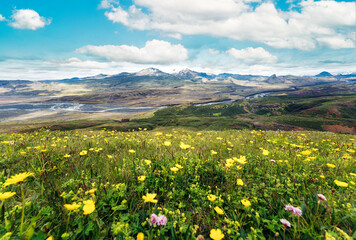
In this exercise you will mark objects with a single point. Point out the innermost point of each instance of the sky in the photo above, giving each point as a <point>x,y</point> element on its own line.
<point>41,39</point>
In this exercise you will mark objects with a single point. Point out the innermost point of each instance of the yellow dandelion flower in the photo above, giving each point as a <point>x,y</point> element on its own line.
<point>71,207</point>
<point>330,165</point>
<point>179,166</point>
<point>17,178</point>
<point>212,152</point>
<point>184,146</point>
<point>89,207</point>
<point>305,152</point>
<point>174,169</point>
<point>167,143</point>
<point>83,152</point>
<point>265,152</point>
<point>150,197</point>
<point>212,197</point>
<point>140,236</point>
<point>216,234</point>
<point>148,162</point>
<point>91,190</point>
<point>141,178</point>
<point>6,195</point>
<point>322,176</point>
<point>218,210</point>
<point>109,156</point>
<point>239,182</point>
<point>132,151</point>
<point>67,156</point>
<point>246,202</point>
<point>341,184</point>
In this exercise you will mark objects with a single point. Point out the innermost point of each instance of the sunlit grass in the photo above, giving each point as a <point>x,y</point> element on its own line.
<point>178,185</point>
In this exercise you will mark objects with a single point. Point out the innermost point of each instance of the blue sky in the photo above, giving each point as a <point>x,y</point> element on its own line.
<point>41,39</point>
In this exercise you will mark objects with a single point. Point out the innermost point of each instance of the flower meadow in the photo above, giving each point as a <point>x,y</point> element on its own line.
<point>177,184</point>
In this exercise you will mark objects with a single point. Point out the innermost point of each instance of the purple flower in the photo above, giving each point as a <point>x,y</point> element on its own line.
<point>297,211</point>
<point>285,222</point>
<point>289,208</point>
<point>153,219</point>
<point>161,220</point>
<point>321,197</point>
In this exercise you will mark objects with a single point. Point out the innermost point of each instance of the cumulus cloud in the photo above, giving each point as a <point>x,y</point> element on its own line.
<point>28,19</point>
<point>237,19</point>
<point>2,18</point>
<point>253,55</point>
<point>155,51</point>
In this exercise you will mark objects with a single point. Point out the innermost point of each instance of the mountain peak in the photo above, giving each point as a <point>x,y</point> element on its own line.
<point>149,72</point>
<point>187,73</point>
<point>324,74</point>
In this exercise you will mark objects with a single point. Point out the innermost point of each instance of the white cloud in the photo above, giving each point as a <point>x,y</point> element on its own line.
<point>2,18</point>
<point>213,51</point>
<point>336,42</point>
<point>253,55</point>
<point>238,20</point>
<point>155,51</point>
<point>28,19</point>
<point>105,4</point>
<point>78,63</point>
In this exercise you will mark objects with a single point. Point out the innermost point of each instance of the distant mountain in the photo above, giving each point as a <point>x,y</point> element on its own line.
<point>187,73</point>
<point>150,72</point>
<point>274,79</point>
<point>324,74</point>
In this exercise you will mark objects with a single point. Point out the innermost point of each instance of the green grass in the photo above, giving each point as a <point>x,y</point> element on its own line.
<point>280,168</point>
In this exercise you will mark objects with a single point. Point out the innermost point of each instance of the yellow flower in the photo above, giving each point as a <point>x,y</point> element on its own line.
<point>17,178</point>
<point>353,174</point>
<point>246,202</point>
<point>132,151</point>
<point>306,152</point>
<point>167,143</point>
<point>141,178</point>
<point>49,238</point>
<point>179,166</point>
<point>212,197</point>
<point>330,165</point>
<point>213,152</point>
<point>91,190</point>
<point>341,184</point>
<point>352,182</point>
<point>67,156</point>
<point>216,234</point>
<point>174,169</point>
<point>6,195</point>
<point>150,197</point>
<point>22,153</point>
<point>109,156</point>
<point>265,152</point>
<point>148,162</point>
<point>322,176</point>
<point>83,152</point>
<point>239,182</point>
<point>71,207</point>
<point>89,207</point>
<point>184,146</point>
<point>140,236</point>
<point>241,160</point>
<point>219,210</point>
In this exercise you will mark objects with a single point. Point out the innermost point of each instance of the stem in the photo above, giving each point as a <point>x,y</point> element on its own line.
<point>23,209</point>
<point>68,222</point>
<point>284,233</point>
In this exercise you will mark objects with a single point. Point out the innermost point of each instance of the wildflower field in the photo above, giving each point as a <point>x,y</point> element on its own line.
<point>177,184</point>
